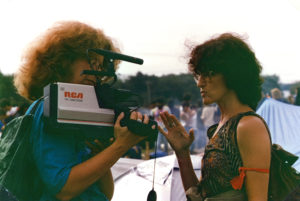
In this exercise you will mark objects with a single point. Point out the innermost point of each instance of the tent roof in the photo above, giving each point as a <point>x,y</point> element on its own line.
<point>284,123</point>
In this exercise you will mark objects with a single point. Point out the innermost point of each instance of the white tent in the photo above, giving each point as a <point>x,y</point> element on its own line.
<point>284,123</point>
<point>133,180</point>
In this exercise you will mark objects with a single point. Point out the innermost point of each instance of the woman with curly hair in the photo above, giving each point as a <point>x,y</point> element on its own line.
<point>236,160</point>
<point>67,169</point>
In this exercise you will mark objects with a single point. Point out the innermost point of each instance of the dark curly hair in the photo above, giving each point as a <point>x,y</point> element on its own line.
<point>229,55</point>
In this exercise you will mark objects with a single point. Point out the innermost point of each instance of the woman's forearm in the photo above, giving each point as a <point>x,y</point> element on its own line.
<point>85,174</point>
<point>188,175</point>
<point>106,185</point>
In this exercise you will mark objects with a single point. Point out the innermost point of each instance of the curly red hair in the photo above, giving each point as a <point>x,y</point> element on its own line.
<point>49,58</point>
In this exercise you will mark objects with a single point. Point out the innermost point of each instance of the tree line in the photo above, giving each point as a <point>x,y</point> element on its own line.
<point>149,87</point>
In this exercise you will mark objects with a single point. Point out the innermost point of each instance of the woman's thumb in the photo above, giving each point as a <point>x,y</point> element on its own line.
<point>191,134</point>
<point>120,117</point>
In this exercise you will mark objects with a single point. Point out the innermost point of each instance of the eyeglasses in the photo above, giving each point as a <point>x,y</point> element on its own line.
<point>96,61</point>
<point>96,64</point>
<point>205,75</point>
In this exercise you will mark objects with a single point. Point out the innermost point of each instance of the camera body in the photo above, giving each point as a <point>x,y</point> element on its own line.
<point>70,108</point>
<point>68,105</point>
<point>92,110</point>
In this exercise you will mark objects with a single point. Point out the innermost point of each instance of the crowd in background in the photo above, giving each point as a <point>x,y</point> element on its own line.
<point>192,116</point>
<point>198,117</point>
<point>278,95</point>
<point>8,112</point>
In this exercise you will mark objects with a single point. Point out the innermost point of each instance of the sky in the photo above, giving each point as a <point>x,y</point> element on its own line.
<point>158,31</point>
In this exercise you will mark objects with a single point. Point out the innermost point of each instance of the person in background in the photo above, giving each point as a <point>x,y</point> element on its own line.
<point>22,109</point>
<point>5,108</point>
<point>277,95</point>
<point>1,127</point>
<point>209,115</point>
<point>174,110</point>
<point>188,117</point>
<point>162,143</point>
<point>223,67</point>
<point>135,152</point>
<point>69,168</point>
<point>297,99</point>
<point>291,99</point>
<point>201,129</point>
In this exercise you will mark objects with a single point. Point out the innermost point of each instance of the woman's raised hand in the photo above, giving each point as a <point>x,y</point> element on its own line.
<point>177,136</point>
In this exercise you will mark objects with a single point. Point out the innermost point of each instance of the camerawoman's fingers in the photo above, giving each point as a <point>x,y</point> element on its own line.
<point>133,115</point>
<point>120,117</point>
<point>139,117</point>
<point>146,119</point>
<point>123,136</point>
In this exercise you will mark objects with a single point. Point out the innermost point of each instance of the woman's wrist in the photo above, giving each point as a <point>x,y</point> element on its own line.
<point>120,147</point>
<point>182,154</point>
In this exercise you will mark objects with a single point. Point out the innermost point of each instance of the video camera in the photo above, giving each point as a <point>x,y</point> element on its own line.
<point>94,109</point>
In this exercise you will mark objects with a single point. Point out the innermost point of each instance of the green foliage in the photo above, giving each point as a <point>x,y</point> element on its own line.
<point>9,92</point>
<point>270,82</point>
<point>176,86</point>
<point>151,87</point>
<point>293,87</point>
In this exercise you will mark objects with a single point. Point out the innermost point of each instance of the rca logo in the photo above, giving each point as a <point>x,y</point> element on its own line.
<point>76,95</point>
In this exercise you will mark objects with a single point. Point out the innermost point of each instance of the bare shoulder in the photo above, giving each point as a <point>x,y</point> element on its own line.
<point>253,142</point>
<point>252,128</point>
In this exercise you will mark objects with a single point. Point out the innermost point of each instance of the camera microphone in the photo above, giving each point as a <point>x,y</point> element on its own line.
<point>117,56</point>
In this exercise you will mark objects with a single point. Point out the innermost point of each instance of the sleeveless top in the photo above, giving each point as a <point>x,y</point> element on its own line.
<point>221,160</point>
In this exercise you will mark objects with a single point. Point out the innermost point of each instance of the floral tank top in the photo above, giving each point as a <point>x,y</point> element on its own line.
<point>221,159</point>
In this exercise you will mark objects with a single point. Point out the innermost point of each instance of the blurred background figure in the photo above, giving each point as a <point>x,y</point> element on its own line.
<point>5,108</point>
<point>210,115</point>
<point>162,143</point>
<point>297,99</point>
<point>174,110</point>
<point>135,152</point>
<point>201,130</point>
<point>188,117</point>
<point>277,95</point>
<point>9,112</point>
<point>291,99</point>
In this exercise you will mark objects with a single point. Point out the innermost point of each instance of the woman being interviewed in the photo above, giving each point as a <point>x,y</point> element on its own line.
<point>236,161</point>
<point>67,169</point>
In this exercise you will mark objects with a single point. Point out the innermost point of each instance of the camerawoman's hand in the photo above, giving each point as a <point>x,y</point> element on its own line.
<point>177,136</point>
<point>125,137</point>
